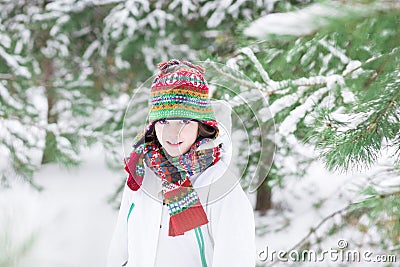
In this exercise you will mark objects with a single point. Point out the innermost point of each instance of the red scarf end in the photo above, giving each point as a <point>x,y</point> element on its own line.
<point>187,220</point>
<point>134,181</point>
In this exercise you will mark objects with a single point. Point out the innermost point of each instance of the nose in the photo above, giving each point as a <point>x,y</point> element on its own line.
<point>173,129</point>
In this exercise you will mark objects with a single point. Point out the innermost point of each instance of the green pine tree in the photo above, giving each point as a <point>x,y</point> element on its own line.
<point>337,89</point>
<point>69,68</point>
<point>55,98</point>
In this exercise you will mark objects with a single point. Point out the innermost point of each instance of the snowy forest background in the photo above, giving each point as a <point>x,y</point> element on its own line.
<point>314,86</point>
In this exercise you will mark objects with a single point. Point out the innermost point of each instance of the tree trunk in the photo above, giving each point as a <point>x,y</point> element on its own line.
<point>48,70</point>
<point>263,200</point>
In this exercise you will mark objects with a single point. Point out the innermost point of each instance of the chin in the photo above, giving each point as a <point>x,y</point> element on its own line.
<point>174,153</point>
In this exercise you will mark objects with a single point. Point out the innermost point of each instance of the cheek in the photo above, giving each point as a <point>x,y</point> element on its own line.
<point>159,131</point>
<point>191,132</point>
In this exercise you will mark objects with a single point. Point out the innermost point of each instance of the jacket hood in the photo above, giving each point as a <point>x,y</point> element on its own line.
<point>222,112</point>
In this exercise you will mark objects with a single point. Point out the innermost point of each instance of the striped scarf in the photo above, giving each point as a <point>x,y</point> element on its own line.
<point>185,209</point>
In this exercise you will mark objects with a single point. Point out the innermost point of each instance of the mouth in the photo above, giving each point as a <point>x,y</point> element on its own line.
<point>174,144</point>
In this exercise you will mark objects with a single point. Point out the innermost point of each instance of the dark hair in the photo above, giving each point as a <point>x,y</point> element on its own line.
<point>205,131</point>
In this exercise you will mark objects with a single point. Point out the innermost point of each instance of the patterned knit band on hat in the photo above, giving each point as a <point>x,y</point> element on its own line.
<point>179,91</point>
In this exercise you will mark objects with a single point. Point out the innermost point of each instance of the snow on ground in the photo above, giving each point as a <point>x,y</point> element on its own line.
<point>303,204</point>
<point>293,214</point>
<point>71,216</point>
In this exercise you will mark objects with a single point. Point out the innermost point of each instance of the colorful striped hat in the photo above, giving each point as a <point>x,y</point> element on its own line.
<point>180,91</point>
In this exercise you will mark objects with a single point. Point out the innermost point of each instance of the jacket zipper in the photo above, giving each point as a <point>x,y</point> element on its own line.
<point>159,231</point>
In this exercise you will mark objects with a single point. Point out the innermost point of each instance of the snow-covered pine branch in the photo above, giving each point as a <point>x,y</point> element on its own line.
<point>264,74</point>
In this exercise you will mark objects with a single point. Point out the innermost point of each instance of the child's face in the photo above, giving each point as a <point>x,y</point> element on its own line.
<point>176,136</point>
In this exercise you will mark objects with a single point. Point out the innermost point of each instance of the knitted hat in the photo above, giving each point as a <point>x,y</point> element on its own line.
<point>180,91</point>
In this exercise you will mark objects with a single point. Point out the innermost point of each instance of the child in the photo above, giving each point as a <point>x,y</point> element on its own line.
<point>181,206</point>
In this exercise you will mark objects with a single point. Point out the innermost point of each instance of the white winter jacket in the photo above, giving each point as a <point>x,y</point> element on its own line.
<point>141,234</point>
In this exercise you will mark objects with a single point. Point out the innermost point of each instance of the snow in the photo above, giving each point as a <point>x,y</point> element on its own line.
<point>64,145</point>
<point>24,139</point>
<point>351,67</point>
<point>301,204</point>
<point>91,48</point>
<point>246,97</point>
<point>56,29</point>
<point>300,22</point>
<point>46,16</point>
<point>351,121</point>
<point>288,126</point>
<point>186,6</point>
<point>18,226</point>
<point>317,184</point>
<point>234,9</point>
<point>286,101</point>
<point>264,75</point>
<point>14,62</point>
<point>4,164</point>
<point>347,95</point>
<point>325,63</point>
<point>341,54</point>
<point>6,97</point>
<point>71,220</point>
<point>218,14</point>
<point>5,40</point>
